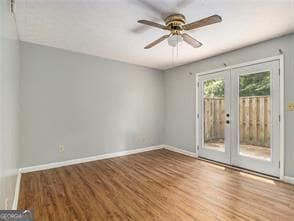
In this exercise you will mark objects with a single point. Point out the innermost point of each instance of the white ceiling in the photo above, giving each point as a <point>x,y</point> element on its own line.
<point>109,29</point>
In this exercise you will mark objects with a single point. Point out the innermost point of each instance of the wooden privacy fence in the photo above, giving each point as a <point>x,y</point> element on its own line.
<point>254,120</point>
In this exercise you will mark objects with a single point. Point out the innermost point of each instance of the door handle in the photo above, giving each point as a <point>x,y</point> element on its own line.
<point>228,122</point>
<point>227,114</point>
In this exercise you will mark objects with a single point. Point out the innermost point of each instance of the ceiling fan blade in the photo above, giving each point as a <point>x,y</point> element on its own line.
<point>153,24</point>
<point>203,22</point>
<point>191,41</point>
<point>156,41</point>
<point>141,28</point>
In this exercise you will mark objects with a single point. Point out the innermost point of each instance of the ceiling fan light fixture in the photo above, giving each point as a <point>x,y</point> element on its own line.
<point>174,40</point>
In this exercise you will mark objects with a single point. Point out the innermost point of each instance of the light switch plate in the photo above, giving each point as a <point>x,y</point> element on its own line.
<point>290,106</point>
<point>61,148</point>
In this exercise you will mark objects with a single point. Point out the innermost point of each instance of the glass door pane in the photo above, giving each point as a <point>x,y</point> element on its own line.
<point>214,114</point>
<point>255,115</point>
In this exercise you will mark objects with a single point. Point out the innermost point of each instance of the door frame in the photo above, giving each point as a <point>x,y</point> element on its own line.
<point>279,58</point>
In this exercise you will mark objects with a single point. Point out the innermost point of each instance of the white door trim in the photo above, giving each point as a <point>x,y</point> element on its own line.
<point>280,58</point>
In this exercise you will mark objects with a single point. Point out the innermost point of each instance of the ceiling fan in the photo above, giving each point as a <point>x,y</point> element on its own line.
<point>176,24</point>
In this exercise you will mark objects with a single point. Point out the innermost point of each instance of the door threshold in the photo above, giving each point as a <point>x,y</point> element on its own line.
<point>240,169</point>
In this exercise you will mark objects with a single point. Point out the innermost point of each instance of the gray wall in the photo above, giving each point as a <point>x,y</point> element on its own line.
<point>91,105</point>
<point>180,96</point>
<point>9,105</point>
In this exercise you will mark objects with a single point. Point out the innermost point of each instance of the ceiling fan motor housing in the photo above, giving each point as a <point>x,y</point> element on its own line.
<point>175,22</point>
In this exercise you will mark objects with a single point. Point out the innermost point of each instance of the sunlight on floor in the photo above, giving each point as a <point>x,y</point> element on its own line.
<point>213,165</point>
<point>251,176</point>
<point>266,180</point>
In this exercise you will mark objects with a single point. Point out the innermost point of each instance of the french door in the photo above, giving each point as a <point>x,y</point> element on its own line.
<point>238,117</point>
<point>214,111</point>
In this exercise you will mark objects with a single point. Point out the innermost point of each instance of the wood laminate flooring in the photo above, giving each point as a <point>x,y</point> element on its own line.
<point>155,185</point>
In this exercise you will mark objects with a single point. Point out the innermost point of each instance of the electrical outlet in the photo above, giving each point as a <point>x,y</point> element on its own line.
<point>290,106</point>
<point>61,148</point>
<point>6,204</point>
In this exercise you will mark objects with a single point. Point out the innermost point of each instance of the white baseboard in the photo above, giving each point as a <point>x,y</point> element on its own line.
<point>288,179</point>
<point>103,156</point>
<point>181,151</point>
<point>87,159</point>
<point>17,189</point>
